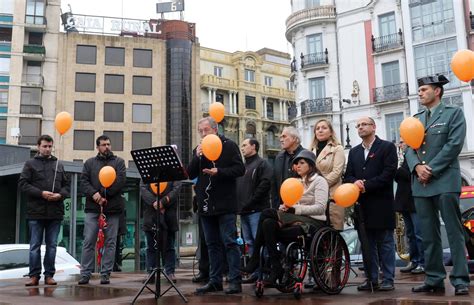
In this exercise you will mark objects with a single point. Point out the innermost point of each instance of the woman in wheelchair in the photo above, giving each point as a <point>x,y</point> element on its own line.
<point>286,224</point>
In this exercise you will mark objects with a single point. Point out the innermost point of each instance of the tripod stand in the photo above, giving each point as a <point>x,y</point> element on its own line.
<point>158,164</point>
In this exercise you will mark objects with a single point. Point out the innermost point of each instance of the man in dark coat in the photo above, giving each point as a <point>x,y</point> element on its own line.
<point>44,207</point>
<point>371,167</point>
<point>168,206</point>
<point>217,205</point>
<point>290,143</point>
<point>405,205</point>
<point>110,200</point>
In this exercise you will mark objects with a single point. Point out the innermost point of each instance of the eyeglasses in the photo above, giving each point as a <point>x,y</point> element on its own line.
<point>363,125</point>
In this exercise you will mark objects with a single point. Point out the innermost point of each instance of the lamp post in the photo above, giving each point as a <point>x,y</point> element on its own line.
<point>348,140</point>
<point>347,101</point>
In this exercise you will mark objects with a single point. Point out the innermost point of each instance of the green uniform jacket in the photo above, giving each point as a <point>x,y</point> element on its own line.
<point>444,139</point>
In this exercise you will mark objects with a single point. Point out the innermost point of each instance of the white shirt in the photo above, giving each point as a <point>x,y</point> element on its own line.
<point>367,148</point>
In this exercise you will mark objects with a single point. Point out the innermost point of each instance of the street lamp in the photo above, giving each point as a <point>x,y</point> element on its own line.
<point>347,101</point>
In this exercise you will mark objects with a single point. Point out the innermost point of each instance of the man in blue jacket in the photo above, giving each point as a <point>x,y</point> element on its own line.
<point>45,192</point>
<point>217,206</point>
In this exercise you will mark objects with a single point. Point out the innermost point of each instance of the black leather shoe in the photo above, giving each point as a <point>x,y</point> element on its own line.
<point>84,280</point>
<point>428,288</point>
<point>368,286</point>
<point>408,268</point>
<point>461,290</point>
<point>418,270</point>
<point>252,265</point>
<point>233,288</point>
<point>201,278</point>
<point>209,287</point>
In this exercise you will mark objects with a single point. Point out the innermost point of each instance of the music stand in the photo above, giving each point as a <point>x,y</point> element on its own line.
<point>158,164</point>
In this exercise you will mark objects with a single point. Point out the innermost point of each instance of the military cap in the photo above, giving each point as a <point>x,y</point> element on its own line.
<point>437,80</point>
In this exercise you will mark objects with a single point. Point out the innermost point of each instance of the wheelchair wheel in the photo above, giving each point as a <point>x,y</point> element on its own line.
<point>298,290</point>
<point>295,265</point>
<point>259,289</point>
<point>330,260</point>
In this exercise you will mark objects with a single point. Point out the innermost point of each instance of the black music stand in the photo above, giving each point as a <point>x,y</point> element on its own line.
<point>155,165</point>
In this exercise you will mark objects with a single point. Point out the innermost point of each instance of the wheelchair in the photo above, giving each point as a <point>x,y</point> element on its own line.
<point>323,251</point>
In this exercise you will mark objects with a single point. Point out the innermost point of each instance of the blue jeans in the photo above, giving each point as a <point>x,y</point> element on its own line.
<point>382,249</point>
<point>50,230</point>
<point>249,224</point>
<point>91,229</point>
<point>218,230</point>
<point>415,242</point>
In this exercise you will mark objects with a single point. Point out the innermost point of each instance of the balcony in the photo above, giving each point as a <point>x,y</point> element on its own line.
<point>208,80</point>
<point>34,52</point>
<point>33,80</point>
<point>34,23</point>
<point>318,14</point>
<point>31,109</point>
<point>278,93</point>
<point>387,42</point>
<point>391,93</point>
<point>314,60</point>
<point>316,106</point>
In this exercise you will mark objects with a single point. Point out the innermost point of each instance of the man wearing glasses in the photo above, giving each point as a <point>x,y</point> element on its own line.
<point>436,185</point>
<point>371,167</point>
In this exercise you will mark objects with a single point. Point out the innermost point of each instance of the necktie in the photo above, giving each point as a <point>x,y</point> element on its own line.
<point>428,116</point>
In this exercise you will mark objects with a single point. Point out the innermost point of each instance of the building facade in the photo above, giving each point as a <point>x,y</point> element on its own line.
<point>255,90</point>
<point>362,58</point>
<point>28,69</point>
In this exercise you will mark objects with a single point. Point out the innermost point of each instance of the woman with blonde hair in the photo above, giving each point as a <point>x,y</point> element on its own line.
<point>330,161</point>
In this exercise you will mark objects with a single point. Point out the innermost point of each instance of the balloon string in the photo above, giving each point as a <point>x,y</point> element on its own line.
<point>205,207</point>
<point>57,162</point>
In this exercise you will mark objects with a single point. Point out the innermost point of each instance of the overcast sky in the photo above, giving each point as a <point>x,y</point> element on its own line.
<point>229,25</point>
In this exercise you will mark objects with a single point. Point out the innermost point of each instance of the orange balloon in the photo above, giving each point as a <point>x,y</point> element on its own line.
<point>412,132</point>
<point>216,111</point>
<point>211,147</point>
<point>63,122</point>
<point>291,191</point>
<point>107,176</point>
<point>163,186</point>
<point>346,195</point>
<point>462,65</point>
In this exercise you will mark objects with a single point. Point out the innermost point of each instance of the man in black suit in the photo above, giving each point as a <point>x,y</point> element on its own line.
<point>371,167</point>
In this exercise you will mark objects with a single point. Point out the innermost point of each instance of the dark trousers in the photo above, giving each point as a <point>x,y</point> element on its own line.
<point>203,253</point>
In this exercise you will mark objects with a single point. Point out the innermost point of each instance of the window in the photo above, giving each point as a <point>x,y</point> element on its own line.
<point>142,58</point>
<point>86,55</point>
<point>29,130</point>
<point>290,86</point>
<point>7,7</point>
<point>431,18</point>
<point>114,56</point>
<point>84,111</point>
<point>142,85</point>
<point>250,102</point>
<point>392,123</point>
<point>113,83</point>
<point>250,130</point>
<point>270,110</point>
<point>116,139</point>
<point>316,88</point>
<point>249,75</point>
<point>218,71</point>
<point>141,113</point>
<point>141,140</point>
<point>454,100</point>
<point>433,58</point>
<point>85,82</point>
<point>314,43</point>
<point>13,259</point>
<point>113,112</point>
<point>84,140</point>
<point>3,129</point>
<point>312,3</point>
<point>30,102</point>
<point>35,38</point>
<point>390,73</point>
<point>35,12</point>
<point>5,34</point>
<point>3,98</point>
<point>387,24</point>
<point>220,98</point>
<point>4,65</point>
<point>268,81</point>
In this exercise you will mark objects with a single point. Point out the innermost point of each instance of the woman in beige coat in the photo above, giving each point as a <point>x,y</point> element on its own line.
<point>330,161</point>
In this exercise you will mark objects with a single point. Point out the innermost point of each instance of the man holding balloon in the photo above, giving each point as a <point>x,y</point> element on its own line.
<point>216,164</point>
<point>436,182</point>
<point>102,180</point>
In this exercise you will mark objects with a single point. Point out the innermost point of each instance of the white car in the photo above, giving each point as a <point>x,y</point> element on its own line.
<point>14,262</point>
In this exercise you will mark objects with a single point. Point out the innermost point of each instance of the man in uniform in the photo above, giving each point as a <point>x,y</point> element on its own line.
<point>436,185</point>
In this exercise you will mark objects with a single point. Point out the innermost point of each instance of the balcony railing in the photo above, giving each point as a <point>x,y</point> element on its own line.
<point>31,109</point>
<point>387,42</point>
<point>315,106</point>
<point>391,93</point>
<point>33,79</point>
<point>314,59</point>
<point>318,13</point>
<point>35,19</point>
<point>34,49</point>
<point>292,112</point>
<point>218,81</point>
